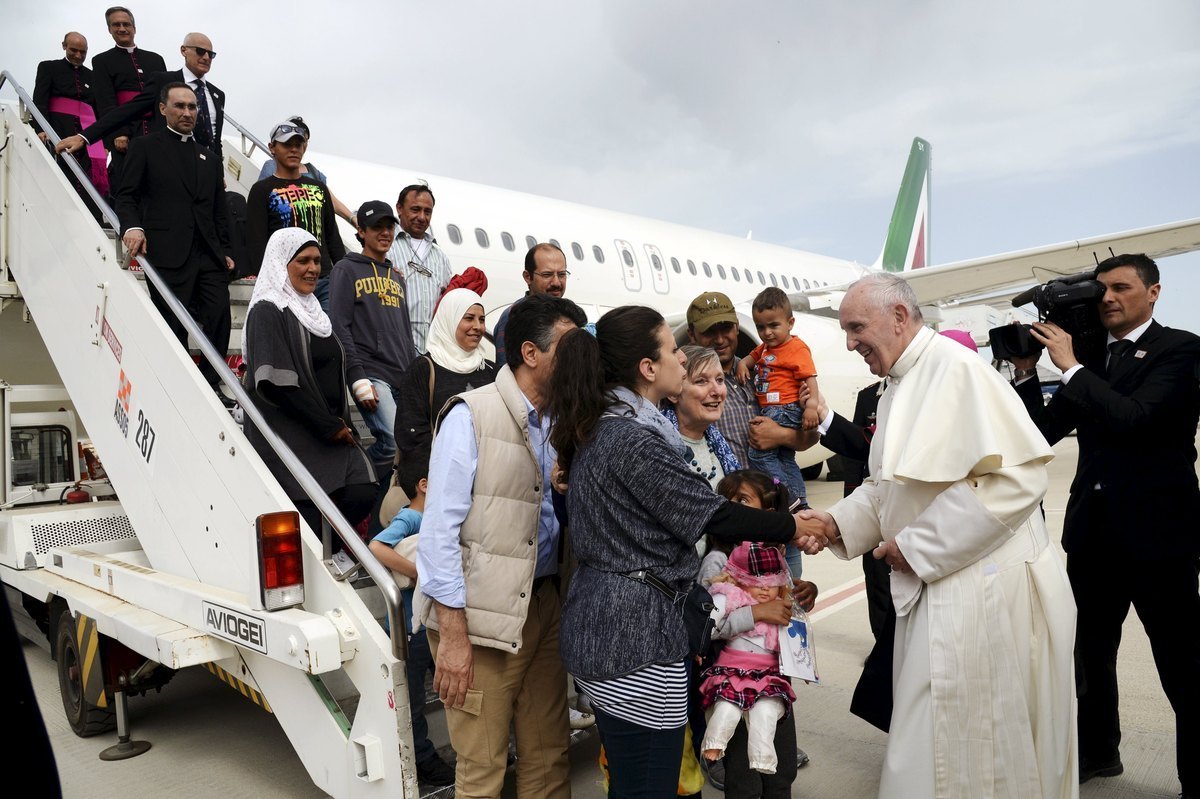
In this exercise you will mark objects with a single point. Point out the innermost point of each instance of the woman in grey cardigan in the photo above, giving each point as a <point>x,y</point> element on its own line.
<point>634,504</point>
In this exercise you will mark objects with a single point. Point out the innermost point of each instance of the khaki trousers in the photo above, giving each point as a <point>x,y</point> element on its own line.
<point>525,691</point>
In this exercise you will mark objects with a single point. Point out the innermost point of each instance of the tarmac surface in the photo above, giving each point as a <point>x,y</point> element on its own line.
<point>210,742</point>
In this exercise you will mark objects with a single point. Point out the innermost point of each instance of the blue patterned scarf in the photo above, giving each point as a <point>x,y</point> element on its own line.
<point>720,447</point>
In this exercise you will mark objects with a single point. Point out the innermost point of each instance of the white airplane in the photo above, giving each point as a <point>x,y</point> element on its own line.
<point>619,259</point>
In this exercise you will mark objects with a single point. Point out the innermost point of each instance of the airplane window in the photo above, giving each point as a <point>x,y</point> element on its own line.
<point>530,242</point>
<point>733,271</point>
<point>784,280</point>
<point>691,266</point>
<point>707,271</point>
<point>454,233</point>
<point>577,250</point>
<point>654,259</point>
<point>599,253</point>
<point>627,257</point>
<point>763,280</point>
<point>481,236</point>
<point>773,283</point>
<point>555,243</point>
<point>675,265</point>
<point>507,240</point>
<point>721,271</point>
<point>806,285</point>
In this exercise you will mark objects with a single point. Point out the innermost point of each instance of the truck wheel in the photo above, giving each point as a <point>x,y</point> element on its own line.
<point>87,716</point>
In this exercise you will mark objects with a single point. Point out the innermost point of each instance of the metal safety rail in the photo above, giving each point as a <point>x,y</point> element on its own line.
<point>382,577</point>
<point>189,502</point>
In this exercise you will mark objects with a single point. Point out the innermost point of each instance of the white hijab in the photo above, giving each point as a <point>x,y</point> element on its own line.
<point>274,285</point>
<point>443,346</point>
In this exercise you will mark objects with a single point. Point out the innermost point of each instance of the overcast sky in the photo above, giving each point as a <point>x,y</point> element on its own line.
<point>1049,120</point>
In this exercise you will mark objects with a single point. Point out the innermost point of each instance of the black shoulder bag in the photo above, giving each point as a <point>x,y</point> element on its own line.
<point>695,606</point>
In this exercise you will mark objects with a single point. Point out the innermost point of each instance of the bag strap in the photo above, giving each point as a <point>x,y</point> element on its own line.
<point>432,410</point>
<point>646,577</point>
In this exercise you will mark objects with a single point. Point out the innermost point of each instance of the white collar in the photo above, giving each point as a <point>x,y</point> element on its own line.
<point>1134,334</point>
<point>908,358</point>
<point>190,77</point>
<point>127,49</point>
<point>182,136</point>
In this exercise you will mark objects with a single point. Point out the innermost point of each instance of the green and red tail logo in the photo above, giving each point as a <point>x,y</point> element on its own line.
<point>907,245</point>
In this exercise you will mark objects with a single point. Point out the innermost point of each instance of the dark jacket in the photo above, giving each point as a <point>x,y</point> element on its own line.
<point>59,78</point>
<point>147,101</point>
<point>369,310</point>
<point>275,203</point>
<point>172,202</point>
<point>414,411</point>
<point>279,359</point>
<point>1136,478</point>
<point>114,71</point>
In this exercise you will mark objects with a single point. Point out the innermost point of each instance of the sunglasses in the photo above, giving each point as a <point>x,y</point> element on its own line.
<point>200,51</point>
<point>288,129</point>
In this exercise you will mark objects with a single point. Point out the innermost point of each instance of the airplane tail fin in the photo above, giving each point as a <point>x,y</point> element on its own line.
<point>907,245</point>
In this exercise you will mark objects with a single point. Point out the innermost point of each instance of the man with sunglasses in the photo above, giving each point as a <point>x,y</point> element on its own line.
<point>291,198</point>
<point>415,253</point>
<point>198,55</point>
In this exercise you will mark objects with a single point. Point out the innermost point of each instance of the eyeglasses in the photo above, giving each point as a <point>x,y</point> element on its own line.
<point>548,275</point>
<point>200,51</point>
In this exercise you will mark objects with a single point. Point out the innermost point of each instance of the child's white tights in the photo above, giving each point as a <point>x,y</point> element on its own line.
<point>761,719</point>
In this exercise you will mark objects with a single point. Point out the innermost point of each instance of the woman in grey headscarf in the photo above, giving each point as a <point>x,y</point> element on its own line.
<point>295,373</point>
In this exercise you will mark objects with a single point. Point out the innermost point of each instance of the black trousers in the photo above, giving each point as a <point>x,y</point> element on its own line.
<point>743,782</point>
<point>202,287</point>
<point>1163,591</point>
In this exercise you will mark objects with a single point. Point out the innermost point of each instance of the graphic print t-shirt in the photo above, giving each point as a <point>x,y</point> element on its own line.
<point>276,203</point>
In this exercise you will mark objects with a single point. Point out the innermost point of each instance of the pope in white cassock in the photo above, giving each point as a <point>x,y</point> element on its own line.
<point>984,695</point>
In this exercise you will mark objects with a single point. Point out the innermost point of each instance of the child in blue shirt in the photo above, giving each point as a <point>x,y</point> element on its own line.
<point>431,768</point>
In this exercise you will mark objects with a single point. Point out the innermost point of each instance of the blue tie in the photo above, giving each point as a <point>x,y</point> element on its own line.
<point>204,131</point>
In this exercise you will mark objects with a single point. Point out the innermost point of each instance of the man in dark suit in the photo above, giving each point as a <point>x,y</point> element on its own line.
<point>198,56</point>
<point>119,75</point>
<point>172,208</point>
<point>1130,530</point>
<point>63,93</point>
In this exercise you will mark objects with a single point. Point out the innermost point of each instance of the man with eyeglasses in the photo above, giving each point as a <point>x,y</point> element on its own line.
<point>545,273</point>
<point>415,254</point>
<point>198,56</point>
<point>119,75</point>
<point>290,198</point>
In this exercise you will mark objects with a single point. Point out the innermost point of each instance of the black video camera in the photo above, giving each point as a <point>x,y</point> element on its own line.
<point>1072,303</point>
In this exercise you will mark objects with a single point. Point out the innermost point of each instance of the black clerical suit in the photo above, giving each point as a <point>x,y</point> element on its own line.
<point>114,72</point>
<point>1130,530</point>
<point>872,700</point>
<point>61,78</point>
<point>174,191</point>
<point>148,101</point>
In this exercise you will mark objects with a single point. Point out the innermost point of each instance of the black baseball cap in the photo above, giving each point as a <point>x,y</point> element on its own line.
<point>373,212</point>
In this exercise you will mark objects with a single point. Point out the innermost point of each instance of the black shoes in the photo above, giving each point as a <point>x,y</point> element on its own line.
<point>801,758</point>
<point>1091,768</point>
<point>435,771</point>
<point>229,402</point>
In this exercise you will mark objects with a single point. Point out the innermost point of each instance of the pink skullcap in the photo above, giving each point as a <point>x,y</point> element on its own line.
<point>962,337</point>
<point>752,563</point>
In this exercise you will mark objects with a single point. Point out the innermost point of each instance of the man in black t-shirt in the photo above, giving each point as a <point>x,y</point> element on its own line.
<point>292,199</point>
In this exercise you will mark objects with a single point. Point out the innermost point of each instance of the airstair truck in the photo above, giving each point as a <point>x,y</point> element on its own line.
<point>196,556</point>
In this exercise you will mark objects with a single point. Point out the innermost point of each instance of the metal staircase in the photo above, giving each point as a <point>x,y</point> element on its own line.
<point>191,486</point>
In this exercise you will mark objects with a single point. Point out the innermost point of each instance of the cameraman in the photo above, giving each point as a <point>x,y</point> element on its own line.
<point>1131,523</point>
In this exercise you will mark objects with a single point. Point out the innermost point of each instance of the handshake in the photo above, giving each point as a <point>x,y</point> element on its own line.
<point>816,530</point>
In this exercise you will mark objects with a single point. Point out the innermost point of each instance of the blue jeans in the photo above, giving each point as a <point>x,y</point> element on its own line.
<point>419,661</point>
<point>642,763</point>
<point>780,463</point>
<point>322,293</point>
<point>382,423</point>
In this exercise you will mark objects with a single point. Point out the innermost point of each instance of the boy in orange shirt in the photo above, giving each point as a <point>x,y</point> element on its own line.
<point>783,366</point>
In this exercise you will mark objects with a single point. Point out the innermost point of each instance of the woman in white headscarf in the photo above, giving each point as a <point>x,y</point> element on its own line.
<point>454,364</point>
<point>295,373</point>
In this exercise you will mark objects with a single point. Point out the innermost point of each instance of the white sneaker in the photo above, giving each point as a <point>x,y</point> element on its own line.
<point>580,720</point>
